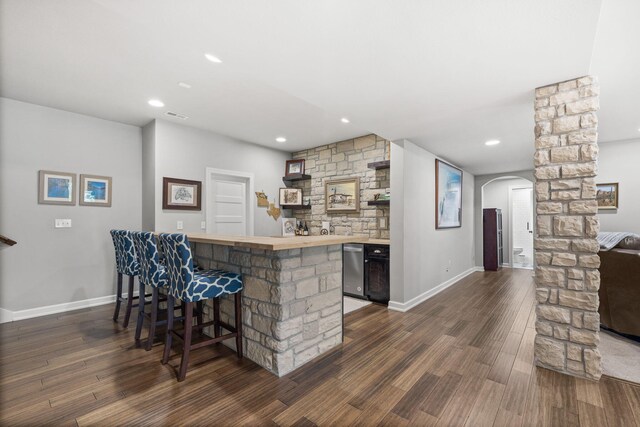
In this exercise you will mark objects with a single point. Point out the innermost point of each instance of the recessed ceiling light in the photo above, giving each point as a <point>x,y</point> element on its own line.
<point>212,58</point>
<point>156,103</point>
<point>492,142</point>
<point>184,85</point>
<point>281,139</point>
<point>344,120</point>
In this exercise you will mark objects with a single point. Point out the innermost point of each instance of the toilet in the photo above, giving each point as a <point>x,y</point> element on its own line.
<point>518,255</point>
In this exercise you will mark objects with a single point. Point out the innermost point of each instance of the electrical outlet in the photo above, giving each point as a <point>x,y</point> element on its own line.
<point>62,223</point>
<point>180,225</point>
<point>203,225</point>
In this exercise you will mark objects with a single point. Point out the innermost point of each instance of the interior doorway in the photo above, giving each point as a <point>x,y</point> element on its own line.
<point>514,197</point>
<point>521,216</point>
<point>229,202</point>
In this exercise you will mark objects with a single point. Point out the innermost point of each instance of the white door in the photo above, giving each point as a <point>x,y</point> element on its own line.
<point>522,227</point>
<point>229,208</point>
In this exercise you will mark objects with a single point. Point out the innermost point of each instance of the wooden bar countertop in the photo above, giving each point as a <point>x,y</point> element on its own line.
<point>275,243</point>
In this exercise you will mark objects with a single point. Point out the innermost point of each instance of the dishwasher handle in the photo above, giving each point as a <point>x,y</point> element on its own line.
<point>353,249</point>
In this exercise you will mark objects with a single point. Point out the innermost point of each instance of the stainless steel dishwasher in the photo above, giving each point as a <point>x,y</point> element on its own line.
<point>353,269</point>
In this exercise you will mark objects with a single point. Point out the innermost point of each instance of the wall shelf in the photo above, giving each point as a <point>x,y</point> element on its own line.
<point>295,177</point>
<point>295,206</point>
<point>384,164</point>
<point>7,241</point>
<point>379,202</point>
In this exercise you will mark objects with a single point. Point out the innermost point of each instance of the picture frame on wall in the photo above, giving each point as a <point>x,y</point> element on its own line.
<point>288,227</point>
<point>342,195</point>
<point>181,194</point>
<point>607,195</point>
<point>294,167</point>
<point>290,197</point>
<point>448,196</point>
<point>56,188</point>
<point>95,190</point>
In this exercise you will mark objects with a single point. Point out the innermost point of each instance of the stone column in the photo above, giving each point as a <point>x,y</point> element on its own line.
<point>567,276</point>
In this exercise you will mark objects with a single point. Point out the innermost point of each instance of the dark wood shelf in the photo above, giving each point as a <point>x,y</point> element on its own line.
<point>384,164</point>
<point>295,206</point>
<point>379,202</point>
<point>7,241</point>
<point>296,177</point>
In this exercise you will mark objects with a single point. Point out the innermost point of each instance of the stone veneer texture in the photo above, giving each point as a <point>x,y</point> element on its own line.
<point>346,159</point>
<point>292,301</point>
<point>567,276</point>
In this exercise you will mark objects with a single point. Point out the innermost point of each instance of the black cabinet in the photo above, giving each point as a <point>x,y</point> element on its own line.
<point>376,273</point>
<point>492,239</point>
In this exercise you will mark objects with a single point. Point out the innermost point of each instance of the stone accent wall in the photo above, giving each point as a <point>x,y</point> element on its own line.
<point>346,159</point>
<point>567,276</point>
<point>292,301</point>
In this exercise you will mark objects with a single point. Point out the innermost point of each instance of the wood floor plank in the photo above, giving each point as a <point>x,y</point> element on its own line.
<point>463,357</point>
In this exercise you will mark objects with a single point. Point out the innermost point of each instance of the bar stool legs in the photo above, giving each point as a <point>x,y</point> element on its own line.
<point>141,303</point>
<point>127,314</point>
<point>154,318</point>
<point>116,313</point>
<point>186,341</point>
<point>169,338</point>
<point>238,315</point>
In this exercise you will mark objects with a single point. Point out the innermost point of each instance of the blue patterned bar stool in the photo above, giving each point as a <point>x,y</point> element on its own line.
<point>152,274</point>
<point>189,286</point>
<point>126,263</point>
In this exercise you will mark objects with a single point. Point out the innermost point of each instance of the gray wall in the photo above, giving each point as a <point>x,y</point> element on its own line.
<point>185,152</point>
<point>480,181</point>
<point>148,177</point>
<point>427,252</point>
<point>620,162</point>
<point>52,266</point>
<point>495,194</point>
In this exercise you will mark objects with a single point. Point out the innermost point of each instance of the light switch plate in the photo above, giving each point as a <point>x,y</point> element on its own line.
<point>62,223</point>
<point>179,225</point>
<point>203,225</point>
<point>382,223</point>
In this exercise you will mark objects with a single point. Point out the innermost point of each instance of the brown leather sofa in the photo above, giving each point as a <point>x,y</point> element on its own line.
<point>620,290</point>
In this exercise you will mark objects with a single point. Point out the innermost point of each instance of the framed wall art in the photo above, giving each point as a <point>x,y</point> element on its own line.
<point>342,195</point>
<point>95,190</point>
<point>607,195</point>
<point>290,197</point>
<point>448,196</point>
<point>56,188</point>
<point>181,194</point>
<point>294,167</point>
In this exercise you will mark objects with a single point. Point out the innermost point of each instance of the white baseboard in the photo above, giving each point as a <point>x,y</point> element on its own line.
<point>402,307</point>
<point>10,316</point>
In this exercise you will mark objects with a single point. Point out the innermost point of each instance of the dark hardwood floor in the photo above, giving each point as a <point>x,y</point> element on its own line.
<point>464,357</point>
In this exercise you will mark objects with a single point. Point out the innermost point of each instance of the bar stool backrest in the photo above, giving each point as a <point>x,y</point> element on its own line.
<point>179,263</point>
<point>152,272</point>
<point>126,259</point>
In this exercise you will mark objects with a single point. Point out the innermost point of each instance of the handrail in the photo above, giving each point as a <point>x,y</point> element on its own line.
<point>7,241</point>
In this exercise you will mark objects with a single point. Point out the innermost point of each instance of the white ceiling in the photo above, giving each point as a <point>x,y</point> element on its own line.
<point>445,75</point>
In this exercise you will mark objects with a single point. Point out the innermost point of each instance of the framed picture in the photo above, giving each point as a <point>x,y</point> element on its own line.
<point>294,167</point>
<point>607,195</point>
<point>288,227</point>
<point>56,188</point>
<point>291,197</point>
<point>448,196</point>
<point>181,194</point>
<point>342,195</point>
<point>95,190</point>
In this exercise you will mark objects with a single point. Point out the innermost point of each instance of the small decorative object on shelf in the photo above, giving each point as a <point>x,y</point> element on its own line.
<point>306,201</point>
<point>288,227</point>
<point>294,168</point>
<point>290,197</point>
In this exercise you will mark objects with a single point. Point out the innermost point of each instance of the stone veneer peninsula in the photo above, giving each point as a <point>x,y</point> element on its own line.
<point>567,276</point>
<point>292,298</point>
